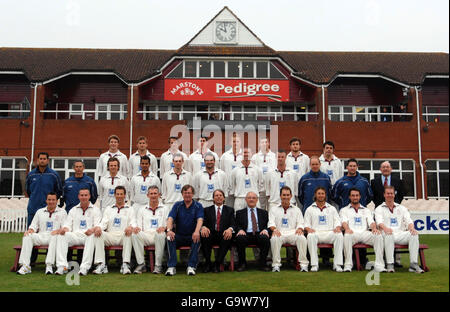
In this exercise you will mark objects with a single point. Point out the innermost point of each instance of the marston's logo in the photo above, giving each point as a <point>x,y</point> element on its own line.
<point>187,88</point>
<point>245,90</point>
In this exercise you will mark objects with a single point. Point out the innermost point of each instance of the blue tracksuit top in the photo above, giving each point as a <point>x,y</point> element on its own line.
<point>38,185</point>
<point>341,190</point>
<point>308,184</point>
<point>73,185</point>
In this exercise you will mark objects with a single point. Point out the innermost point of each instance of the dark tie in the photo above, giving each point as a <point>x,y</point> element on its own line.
<point>254,226</point>
<point>385,182</point>
<point>218,219</point>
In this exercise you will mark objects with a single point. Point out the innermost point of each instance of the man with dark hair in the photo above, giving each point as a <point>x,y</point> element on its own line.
<point>174,180</point>
<point>187,216</point>
<point>75,183</point>
<point>108,183</point>
<point>140,183</point>
<point>296,160</point>
<point>330,164</point>
<point>113,151</point>
<point>218,228</point>
<point>135,159</point>
<point>166,161</point>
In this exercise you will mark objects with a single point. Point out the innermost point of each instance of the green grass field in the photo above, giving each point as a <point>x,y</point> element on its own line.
<point>288,280</point>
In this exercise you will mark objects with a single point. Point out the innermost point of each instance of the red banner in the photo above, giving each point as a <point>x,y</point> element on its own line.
<point>226,90</point>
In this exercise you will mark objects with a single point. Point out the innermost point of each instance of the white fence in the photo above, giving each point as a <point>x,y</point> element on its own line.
<point>13,215</point>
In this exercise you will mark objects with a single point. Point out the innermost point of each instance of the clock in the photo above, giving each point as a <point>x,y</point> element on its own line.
<point>226,31</point>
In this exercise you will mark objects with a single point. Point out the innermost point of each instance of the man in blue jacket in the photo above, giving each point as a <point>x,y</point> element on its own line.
<point>75,183</point>
<point>342,187</point>
<point>310,181</point>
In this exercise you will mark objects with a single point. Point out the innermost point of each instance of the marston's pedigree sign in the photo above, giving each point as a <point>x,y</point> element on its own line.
<point>226,90</point>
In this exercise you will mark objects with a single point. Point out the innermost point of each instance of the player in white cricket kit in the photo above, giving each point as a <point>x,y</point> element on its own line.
<point>286,224</point>
<point>356,221</point>
<point>77,229</point>
<point>230,160</point>
<point>116,229</point>
<point>296,160</point>
<point>166,160</point>
<point>43,230</point>
<point>135,160</point>
<point>392,219</point>
<point>102,166</point>
<point>208,180</point>
<point>245,178</point>
<point>323,225</point>
<point>174,180</point>
<point>266,160</point>
<point>109,182</point>
<point>197,158</point>
<point>149,230</point>
<point>140,183</point>
<point>278,178</point>
<point>330,164</point>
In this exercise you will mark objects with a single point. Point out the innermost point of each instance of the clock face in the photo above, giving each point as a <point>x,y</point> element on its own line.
<point>226,31</point>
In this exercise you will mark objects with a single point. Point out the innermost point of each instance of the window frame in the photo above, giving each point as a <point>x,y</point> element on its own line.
<point>437,171</point>
<point>14,170</point>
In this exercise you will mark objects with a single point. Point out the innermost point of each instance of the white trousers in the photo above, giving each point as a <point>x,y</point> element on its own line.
<point>298,240</point>
<point>328,237</point>
<point>402,238</point>
<point>37,239</point>
<point>149,238</point>
<point>368,238</point>
<point>72,239</point>
<point>116,238</point>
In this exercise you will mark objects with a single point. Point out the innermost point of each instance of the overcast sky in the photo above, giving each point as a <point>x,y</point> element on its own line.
<point>284,25</point>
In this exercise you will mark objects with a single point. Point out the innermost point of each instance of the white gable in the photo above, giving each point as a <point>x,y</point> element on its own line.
<point>244,36</point>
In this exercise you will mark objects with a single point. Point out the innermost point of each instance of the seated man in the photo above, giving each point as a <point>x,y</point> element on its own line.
<point>323,225</point>
<point>187,216</point>
<point>392,218</point>
<point>149,230</point>
<point>43,230</point>
<point>114,229</point>
<point>78,227</point>
<point>356,221</point>
<point>286,224</point>
<point>217,229</point>
<point>251,228</point>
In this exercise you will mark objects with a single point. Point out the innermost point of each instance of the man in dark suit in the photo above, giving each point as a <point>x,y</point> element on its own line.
<point>251,228</point>
<point>217,229</point>
<point>386,179</point>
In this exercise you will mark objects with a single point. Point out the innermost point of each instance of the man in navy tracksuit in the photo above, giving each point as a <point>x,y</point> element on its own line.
<point>73,184</point>
<point>342,187</point>
<point>310,181</point>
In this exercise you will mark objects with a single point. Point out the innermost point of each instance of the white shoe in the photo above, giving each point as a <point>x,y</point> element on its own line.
<point>380,269</point>
<point>338,268</point>
<point>415,268</point>
<point>347,268</point>
<point>370,265</point>
<point>49,269</point>
<point>171,271</point>
<point>101,269</point>
<point>125,269</point>
<point>303,268</point>
<point>390,268</point>
<point>157,270</point>
<point>314,268</point>
<point>276,268</point>
<point>24,269</point>
<point>190,271</point>
<point>61,270</point>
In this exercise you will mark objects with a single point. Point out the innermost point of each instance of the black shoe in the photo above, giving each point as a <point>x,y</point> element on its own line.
<point>241,268</point>
<point>216,268</point>
<point>207,268</point>
<point>398,265</point>
<point>265,268</point>
<point>326,262</point>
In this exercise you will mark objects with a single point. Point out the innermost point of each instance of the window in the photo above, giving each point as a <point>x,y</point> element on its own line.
<point>190,69</point>
<point>76,111</point>
<point>247,70</point>
<point>111,111</point>
<point>357,113</point>
<point>435,113</point>
<point>437,178</point>
<point>262,70</point>
<point>205,68</point>
<point>233,70</point>
<point>23,109</point>
<point>401,168</point>
<point>64,167</point>
<point>13,175</point>
<point>219,69</point>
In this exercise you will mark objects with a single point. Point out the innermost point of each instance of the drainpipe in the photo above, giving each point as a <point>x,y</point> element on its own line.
<point>323,113</point>
<point>34,124</point>
<point>420,142</point>
<point>131,118</point>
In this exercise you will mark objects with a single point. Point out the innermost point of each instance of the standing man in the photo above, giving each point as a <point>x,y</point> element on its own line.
<point>251,228</point>
<point>135,159</point>
<point>209,179</point>
<point>43,230</point>
<point>230,160</point>
<point>323,226</point>
<point>149,230</point>
<point>277,179</point>
<point>296,160</point>
<point>174,180</point>
<point>166,161</point>
<point>140,183</point>
<point>217,229</point>
<point>386,179</point>
<point>392,219</point>
<point>356,221</point>
<point>109,182</point>
<point>197,158</point>
<point>330,164</point>
<point>310,182</point>
<point>75,183</point>
<point>102,169</point>
<point>77,229</point>
<point>187,216</point>
<point>245,178</point>
<point>286,223</point>
<point>341,190</point>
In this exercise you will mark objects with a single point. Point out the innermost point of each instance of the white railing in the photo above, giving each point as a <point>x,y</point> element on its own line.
<point>84,112</point>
